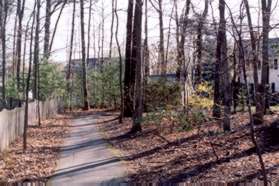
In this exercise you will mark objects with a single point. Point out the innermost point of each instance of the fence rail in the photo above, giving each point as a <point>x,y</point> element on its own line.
<point>12,121</point>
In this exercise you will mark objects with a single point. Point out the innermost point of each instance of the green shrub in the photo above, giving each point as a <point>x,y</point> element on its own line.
<point>51,81</point>
<point>161,94</point>
<point>104,88</point>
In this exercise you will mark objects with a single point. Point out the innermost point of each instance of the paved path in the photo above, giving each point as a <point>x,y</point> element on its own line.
<point>86,158</point>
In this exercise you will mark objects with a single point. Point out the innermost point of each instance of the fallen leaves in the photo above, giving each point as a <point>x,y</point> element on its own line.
<point>39,160</point>
<point>206,154</point>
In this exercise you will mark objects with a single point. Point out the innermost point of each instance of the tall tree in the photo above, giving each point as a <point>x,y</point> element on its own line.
<point>222,72</point>
<point>20,15</point>
<point>137,59</point>
<point>169,33</point>
<point>47,28</point>
<point>266,13</point>
<point>201,21</point>
<point>258,117</point>
<point>84,74</point>
<point>129,77</point>
<point>89,30</point>
<point>28,81</point>
<point>162,61</point>
<point>180,38</point>
<point>36,52</point>
<point>69,73</point>
<point>111,27</point>
<point>146,56</point>
<point>120,62</point>
<point>3,23</point>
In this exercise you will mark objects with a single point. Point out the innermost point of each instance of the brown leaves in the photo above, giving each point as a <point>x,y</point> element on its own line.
<point>207,154</point>
<point>39,160</point>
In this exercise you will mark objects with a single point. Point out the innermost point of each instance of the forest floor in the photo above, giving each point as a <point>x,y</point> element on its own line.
<point>163,154</point>
<point>39,160</point>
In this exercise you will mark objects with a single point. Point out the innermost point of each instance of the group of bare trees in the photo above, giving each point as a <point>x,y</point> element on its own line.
<point>187,24</point>
<point>28,30</point>
<point>222,81</point>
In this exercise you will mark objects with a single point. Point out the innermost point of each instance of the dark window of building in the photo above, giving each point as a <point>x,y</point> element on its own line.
<point>275,64</point>
<point>273,87</point>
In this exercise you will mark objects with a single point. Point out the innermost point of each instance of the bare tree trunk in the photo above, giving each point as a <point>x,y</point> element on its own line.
<point>1,29</point>
<point>266,13</point>
<point>161,46</point>
<point>94,38</point>
<point>129,77</point>
<point>169,33</point>
<point>202,19</point>
<point>145,52</point>
<point>226,88</point>
<point>137,59</point>
<point>20,14</point>
<point>84,74</point>
<point>224,92</point>
<point>24,50</point>
<point>69,73</point>
<point>258,117</point>
<point>3,13</point>
<point>120,64</point>
<point>36,52</point>
<point>14,47</point>
<point>162,62</point>
<point>89,31</point>
<point>28,83</point>
<point>102,51</point>
<point>177,35</point>
<point>111,28</point>
<point>181,41</point>
<point>47,29</point>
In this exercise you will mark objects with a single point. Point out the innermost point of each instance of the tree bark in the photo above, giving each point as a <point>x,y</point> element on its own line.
<point>222,95</point>
<point>201,19</point>
<point>169,34</point>
<point>36,52</point>
<point>20,14</point>
<point>28,83</point>
<point>162,61</point>
<point>120,63</point>
<point>146,56</point>
<point>129,77</point>
<point>69,73</point>
<point>258,116</point>
<point>89,31</point>
<point>111,28</point>
<point>47,29</point>
<point>3,13</point>
<point>266,11</point>
<point>181,31</point>
<point>84,74</point>
<point>137,59</point>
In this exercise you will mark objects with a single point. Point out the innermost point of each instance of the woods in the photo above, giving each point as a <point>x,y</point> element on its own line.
<point>174,73</point>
